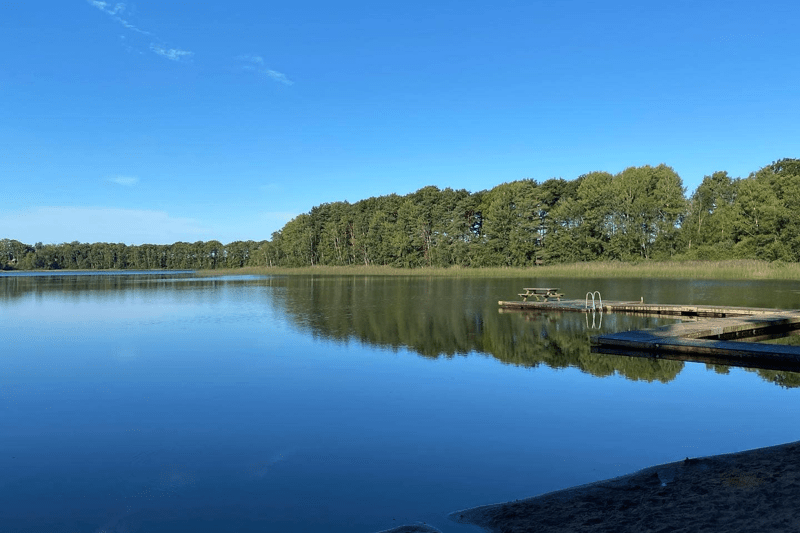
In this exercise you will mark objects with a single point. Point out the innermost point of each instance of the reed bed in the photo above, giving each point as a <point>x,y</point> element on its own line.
<point>716,270</point>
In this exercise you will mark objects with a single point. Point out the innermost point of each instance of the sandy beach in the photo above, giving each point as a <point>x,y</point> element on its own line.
<point>756,490</point>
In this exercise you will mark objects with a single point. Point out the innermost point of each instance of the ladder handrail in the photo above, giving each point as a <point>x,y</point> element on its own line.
<point>594,305</point>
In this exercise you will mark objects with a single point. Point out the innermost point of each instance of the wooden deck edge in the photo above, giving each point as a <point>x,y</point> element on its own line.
<point>759,362</point>
<point>731,328</point>
<point>721,351</point>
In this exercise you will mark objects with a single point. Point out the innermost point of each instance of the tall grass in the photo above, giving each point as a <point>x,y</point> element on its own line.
<point>717,270</point>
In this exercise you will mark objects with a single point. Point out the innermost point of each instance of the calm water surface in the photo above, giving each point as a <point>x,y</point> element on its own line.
<point>164,402</point>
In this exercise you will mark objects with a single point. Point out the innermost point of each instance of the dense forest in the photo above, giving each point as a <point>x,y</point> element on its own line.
<point>639,213</point>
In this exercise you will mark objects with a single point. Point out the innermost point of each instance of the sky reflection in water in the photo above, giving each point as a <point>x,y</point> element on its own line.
<point>168,403</point>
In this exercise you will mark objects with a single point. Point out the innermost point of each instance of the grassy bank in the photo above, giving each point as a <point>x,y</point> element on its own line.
<point>717,270</point>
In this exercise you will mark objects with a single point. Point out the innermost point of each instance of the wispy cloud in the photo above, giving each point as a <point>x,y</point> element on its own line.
<point>157,45</point>
<point>115,13</point>
<point>254,63</point>
<point>278,76</point>
<point>103,6</point>
<point>173,54</point>
<point>126,181</point>
<point>251,62</point>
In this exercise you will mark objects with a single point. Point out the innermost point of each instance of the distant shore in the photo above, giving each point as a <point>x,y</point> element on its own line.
<point>755,490</point>
<point>744,269</point>
<point>740,269</point>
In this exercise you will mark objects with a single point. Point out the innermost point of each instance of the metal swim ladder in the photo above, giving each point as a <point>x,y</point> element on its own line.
<point>594,305</point>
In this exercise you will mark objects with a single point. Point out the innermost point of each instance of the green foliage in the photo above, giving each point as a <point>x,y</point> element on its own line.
<point>118,256</point>
<point>650,207</point>
<point>708,229</point>
<point>638,214</point>
<point>581,226</point>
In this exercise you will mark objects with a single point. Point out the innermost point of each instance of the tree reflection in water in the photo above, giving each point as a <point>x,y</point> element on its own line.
<point>433,317</point>
<point>449,317</point>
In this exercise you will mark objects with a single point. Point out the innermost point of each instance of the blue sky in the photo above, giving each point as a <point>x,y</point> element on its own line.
<point>174,121</point>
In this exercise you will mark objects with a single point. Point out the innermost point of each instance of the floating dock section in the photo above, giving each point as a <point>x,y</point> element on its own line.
<point>712,341</point>
<point>717,338</point>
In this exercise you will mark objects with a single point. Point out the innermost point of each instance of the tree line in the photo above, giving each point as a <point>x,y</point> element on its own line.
<point>639,213</point>
<point>101,256</point>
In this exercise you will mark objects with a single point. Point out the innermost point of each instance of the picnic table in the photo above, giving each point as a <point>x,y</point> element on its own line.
<point>541,292</point>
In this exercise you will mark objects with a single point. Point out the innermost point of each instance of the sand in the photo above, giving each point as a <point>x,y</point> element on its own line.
<point>753,491</point>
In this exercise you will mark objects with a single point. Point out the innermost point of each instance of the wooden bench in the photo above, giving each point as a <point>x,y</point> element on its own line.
<point>540,292</point>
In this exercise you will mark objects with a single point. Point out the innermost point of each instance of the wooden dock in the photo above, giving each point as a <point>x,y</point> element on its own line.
<point>717,338</point>
<point>712,341</point>
<point>720,311</point>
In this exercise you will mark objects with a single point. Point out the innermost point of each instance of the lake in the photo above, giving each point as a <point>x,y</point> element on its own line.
<point>156,402</point>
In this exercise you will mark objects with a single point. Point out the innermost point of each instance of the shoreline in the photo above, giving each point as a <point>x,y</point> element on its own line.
<point>752,490</point>
<point>732,269</point>
<point>724,270</point>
